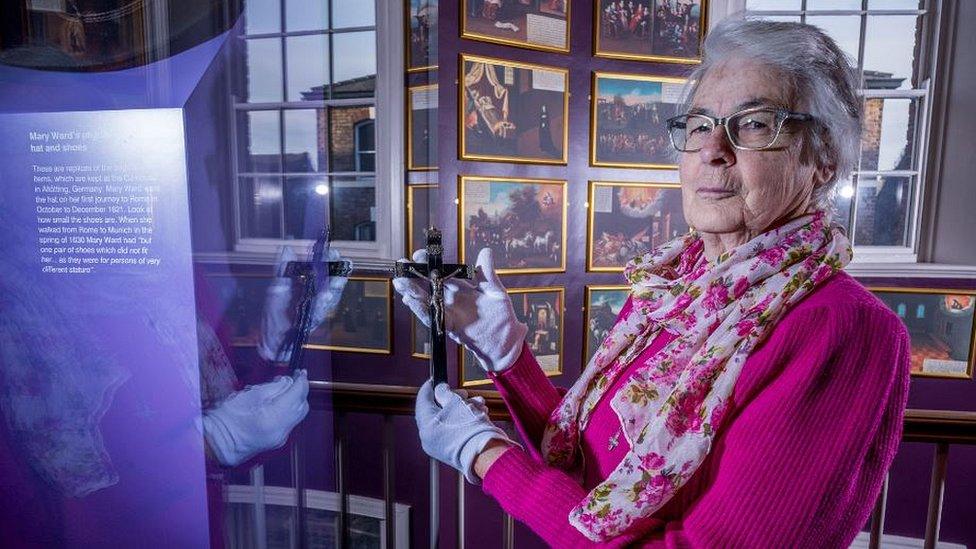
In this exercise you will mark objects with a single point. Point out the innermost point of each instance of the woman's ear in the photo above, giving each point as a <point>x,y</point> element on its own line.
<point>822,174</point>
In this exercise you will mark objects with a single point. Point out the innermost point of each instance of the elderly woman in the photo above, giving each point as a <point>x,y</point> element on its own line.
<point>751,393</point>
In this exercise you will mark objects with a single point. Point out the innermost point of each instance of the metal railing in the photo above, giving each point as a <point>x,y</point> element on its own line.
<point>941,428</point>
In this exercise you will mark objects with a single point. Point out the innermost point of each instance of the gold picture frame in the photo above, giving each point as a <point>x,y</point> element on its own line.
<point>503,252</point>
<point>595,149</point>
<point>466,32</point>
<point>598,28</point>
<point>387,292</point>
<point>919,358</point>
<point>594,203</point>
<point>415,327</point>
<point>588,291</point>
<point>408,38</point>
<point>411,208</point>
<point>432,124</point>
<point>470,363</point>
<point>463,149</point>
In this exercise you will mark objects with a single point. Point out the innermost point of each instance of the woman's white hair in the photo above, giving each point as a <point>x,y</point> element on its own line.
<point>821,82</point>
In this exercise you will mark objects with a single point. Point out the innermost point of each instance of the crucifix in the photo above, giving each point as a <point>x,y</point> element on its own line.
<point>435,272</point>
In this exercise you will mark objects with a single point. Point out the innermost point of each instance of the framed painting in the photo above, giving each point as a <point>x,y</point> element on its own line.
<point>523,221</point>
<point>512,112</point>
<point>601,305</point>
<point>361,322</point>
<point>542,310</point>
<point>419,339</point>
<point>422,127</point>
<point>669,31</point>
<point>421,35</point>
<point>628,120</point>
<point>940,323</point>
<point>534,24</point>
<point>628,219</point>
<point>421,202</point>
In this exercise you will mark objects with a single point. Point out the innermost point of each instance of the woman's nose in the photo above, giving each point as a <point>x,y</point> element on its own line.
<point>717,150</point>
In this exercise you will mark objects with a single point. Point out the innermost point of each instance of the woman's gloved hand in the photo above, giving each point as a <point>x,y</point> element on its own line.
<point>478,313</point>
<point>454,429</point>
<point>276,319</point>
<point>256,419</point>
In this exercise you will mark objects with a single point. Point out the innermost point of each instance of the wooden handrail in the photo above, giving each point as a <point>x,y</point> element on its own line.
<point>920,425</point>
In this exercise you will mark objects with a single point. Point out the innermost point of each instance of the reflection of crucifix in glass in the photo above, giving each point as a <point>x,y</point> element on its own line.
<point>432,273</point>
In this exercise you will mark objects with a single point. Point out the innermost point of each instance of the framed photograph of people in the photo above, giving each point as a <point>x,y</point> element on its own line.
<point>421,34</point>
<point>542,310</point>
<point>419,339</point>
<point>628,219</point>
<point>628,120</point>
<point>422,127</point>
<point>512,112</point>
<point>941,326</point>
<point>650,30</point>
<point>421,201</point>
<point>534,24</point>
<point>602,304</point>
<point>360,322</point>
<point>523,221</point>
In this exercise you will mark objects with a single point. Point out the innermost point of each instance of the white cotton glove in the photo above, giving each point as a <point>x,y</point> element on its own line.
<point>454,429</point>
<point>478,313</point>
<point>279,311</point>
<point>256,419</point>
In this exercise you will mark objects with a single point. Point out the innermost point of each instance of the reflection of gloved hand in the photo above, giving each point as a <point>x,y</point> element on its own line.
<point>477,313</point>
<point>454,429</point>
<point>277,317</point>
<point>256,419</point>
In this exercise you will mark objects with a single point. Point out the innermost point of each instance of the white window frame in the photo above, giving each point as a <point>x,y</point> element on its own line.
<point>892,260</point>
<point>388,177</point>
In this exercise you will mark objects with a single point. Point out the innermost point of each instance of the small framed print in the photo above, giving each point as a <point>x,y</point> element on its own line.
<point>650,30</point>
<point>421,34</point>
<point>602,304</point>
<point>361,322</point>
<point>542,310</point>
<point>941,326</point>
<point>421,202</point>
<point>523,221</point>
<point>533,24</point>
<point>419,339</point>
<point>628,120</point>
<point>422,127</point>
<point>512,112</point>
<point>628,219</point>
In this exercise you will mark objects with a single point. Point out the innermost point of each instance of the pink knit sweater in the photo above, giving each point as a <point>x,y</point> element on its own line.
<point>814,423</point>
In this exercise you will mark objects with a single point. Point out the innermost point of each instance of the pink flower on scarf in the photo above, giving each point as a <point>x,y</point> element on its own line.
<point>743,327</point>
<point>740,287</point>
<point>716,297</point>
<point>684,417</point>
<point>717,414</point>
<point>772,256</point>
<point>652,461</point>
<point>823,272</point>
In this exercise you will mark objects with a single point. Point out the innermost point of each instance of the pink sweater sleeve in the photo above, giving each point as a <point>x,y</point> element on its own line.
<point>530,396</point>
<point>802,458</point>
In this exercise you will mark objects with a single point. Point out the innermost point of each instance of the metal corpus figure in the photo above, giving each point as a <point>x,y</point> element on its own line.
<point>432,272</point>
<point>314,275</point>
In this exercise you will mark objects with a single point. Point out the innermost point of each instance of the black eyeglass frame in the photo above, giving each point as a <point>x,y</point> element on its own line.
<point>782,115</point>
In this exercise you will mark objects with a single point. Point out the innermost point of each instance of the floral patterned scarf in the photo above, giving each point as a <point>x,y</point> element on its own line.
<point>670,409</point>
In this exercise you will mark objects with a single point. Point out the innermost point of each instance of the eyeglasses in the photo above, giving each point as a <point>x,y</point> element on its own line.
<point>751,129</point>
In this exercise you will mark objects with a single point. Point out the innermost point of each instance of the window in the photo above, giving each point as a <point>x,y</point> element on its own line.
<point>889,40</point>
<point>310,102</point>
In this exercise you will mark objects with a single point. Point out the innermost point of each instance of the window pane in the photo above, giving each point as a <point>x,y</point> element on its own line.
<point>260,207</point>
<point>308,67</point>
<point>887,141</point>
<point>262,151</point>
<point>890,51</point>
<point>881,213</point>
<point>304,150</point>
<point>303,15</point>
<point>353,13</point>
<point>342,138</point>
<point>261,16</point>
<point>773,4</point>
<point>783,18</point>
<point>844,29</point>
<point>263,70</point>
<point>833,4</point>
<point>894,4</point>
<point>306,206</point>
<point>354,63</point>
<point>843,201</point>
<point>352,204</point>
<point>365,146</point>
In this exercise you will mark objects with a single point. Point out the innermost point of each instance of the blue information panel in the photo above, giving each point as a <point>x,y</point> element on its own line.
<point>99,381</point>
